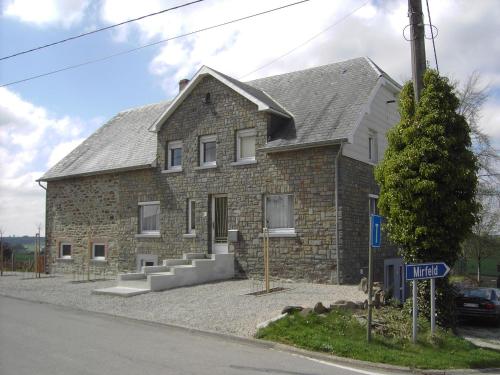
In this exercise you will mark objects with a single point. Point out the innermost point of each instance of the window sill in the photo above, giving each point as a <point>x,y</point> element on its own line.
<point>189,235</point>
<point>145,235</point>
<point>280,234</point>
<point>172,170</point>
<point>67,259</point>
<point>202,167</point>
<point>244,162</point>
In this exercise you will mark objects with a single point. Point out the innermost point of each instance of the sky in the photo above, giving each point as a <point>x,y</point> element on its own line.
<point>44,119</point>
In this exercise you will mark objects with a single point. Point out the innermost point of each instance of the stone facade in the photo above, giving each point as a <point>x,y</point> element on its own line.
<point>104,208</point>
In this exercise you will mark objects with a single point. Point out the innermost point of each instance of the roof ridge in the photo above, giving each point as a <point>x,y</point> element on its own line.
<point>143,106</point>
<point>303,70</point>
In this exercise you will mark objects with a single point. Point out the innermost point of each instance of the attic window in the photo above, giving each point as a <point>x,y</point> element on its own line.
<point>208,98</point>
<point>372,146</point>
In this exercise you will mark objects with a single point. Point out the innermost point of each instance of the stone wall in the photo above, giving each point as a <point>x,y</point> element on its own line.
<point>105,208</point>
<point>357,182</point>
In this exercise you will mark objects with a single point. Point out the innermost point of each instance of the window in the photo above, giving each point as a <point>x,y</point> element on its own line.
<point>98,251</point>
<point>372,146</point>
<point>174,155</point>
<point>279,213</point>
<point>65,251</point>
<point>208,148</point>
<point>245,145</point>
<point>191,216</point>
<point>149,220</point>
<point>373,204</point>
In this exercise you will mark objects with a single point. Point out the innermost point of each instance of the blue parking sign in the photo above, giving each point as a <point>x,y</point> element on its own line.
<point>376,232</point>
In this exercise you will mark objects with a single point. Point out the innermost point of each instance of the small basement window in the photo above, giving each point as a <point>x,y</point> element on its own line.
<point>65,251</point>
<point>149,217</point>
<point>99,251</point>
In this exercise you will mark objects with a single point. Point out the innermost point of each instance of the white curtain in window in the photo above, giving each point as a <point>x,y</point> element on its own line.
<point>279,211</point>
<point>247,147</point>
<point>150,220</point>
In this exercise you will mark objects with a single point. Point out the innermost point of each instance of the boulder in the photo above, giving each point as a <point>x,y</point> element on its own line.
<point>291,309</point>
<point>320,309</point>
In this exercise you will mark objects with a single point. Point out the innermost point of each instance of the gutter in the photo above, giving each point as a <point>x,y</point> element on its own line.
<point>270,150</point>
<point>40,184</point>
<point>337,256</point>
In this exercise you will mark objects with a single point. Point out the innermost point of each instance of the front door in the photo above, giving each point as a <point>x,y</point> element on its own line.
<point>219,224</point>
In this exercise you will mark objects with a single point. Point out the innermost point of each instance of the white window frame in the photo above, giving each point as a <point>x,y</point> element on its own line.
<point>61,256</point>
<point>243,134</point>
<point>280,231</point>
<point>373,198</point>
<point>206,139</point>
<point>172,146</point>
<point>94,257</point>
<point>190,217</point>
<point>148,232</point>
<point>372,146</point>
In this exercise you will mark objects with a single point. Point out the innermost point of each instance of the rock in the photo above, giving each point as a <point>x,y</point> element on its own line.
<point>363,285</point>
<point>320,309</point>
<point>305,312</point>
<point>291,309</point>
<point>349,305</point>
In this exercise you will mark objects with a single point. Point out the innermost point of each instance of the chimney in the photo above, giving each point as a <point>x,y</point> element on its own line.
<point>183,83</point>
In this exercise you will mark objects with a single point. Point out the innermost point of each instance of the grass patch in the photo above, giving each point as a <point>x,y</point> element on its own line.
<point>341,334</point>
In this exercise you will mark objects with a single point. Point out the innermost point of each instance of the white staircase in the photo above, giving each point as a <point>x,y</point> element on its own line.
<point>192,269</point>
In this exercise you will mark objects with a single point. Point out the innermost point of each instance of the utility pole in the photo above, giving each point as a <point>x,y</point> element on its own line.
<point>417,39</point>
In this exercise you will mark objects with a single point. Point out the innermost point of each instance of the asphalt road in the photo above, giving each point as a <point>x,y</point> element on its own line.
<point>46,339</point>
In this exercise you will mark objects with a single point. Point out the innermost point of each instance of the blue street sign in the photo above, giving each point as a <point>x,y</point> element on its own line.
<point>424,271</point>
<point>376,224</point>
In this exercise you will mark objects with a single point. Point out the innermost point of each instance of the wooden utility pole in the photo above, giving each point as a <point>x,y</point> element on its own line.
<point>417,38</point>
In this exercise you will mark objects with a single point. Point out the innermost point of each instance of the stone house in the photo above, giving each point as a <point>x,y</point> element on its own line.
<point>209,170</point>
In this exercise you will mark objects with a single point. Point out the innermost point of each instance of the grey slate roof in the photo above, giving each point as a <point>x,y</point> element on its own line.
<point>124,142</point>
<point>325,103</point>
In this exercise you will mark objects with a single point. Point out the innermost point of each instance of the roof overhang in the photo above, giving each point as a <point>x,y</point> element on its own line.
<point>203,72</point>
<point>95,173</point>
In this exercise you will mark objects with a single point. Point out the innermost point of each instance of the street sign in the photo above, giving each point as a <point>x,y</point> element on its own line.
<point>376,233</point>
<point>424,271</point>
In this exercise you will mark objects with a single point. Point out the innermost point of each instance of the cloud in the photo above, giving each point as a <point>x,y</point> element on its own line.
<point>31,140</point>
<point>47,12</point>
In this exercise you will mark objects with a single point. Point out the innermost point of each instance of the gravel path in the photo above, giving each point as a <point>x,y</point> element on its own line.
<point>221,307</point>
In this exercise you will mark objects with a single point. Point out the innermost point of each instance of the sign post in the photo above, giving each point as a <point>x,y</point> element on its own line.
<point>425,271</point>
<point>375,240</point>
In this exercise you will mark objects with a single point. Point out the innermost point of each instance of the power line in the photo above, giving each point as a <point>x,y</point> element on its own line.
<point>98,30</point>
<point>150,44</point>
<point>307,41</point>
<point>432,34</point>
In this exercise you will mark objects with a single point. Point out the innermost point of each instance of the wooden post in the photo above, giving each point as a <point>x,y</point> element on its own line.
<point>417,38</point>
<point>266,259</point>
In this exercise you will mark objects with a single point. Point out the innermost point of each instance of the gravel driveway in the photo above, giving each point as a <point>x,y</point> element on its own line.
<point>222,307</point>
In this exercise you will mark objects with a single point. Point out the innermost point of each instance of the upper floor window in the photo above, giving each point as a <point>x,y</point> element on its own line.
<point>174,155</point>
<point>372,146</point>
<point>99,251</point>
<point>279,213</point>
<point>149,220</point>
<point>245,145</point>
<point>373,204</point>
<point>65,251</point>
<point>208,150</point>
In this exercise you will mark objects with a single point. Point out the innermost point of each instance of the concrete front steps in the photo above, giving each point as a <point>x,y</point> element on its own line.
<point>192,269</point>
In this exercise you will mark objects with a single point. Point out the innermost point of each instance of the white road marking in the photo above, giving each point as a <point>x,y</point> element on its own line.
<point>338,366</point>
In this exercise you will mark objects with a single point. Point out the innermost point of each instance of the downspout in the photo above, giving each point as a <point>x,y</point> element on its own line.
<point>40,184</point>
<point>337,256</point>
